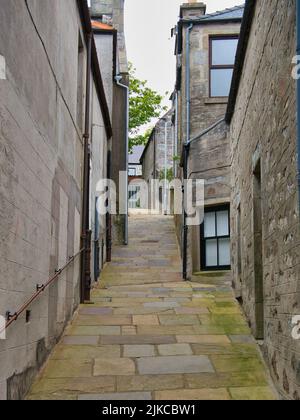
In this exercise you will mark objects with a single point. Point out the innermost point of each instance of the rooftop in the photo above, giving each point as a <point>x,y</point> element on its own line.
<point>136,154</point>
<point>102,26</point>
<point>235,12</point>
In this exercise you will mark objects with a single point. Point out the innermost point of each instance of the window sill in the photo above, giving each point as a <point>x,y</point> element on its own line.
<point>213,101</point>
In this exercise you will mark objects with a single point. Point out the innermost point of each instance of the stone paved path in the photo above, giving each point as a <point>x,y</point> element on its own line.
<point>148,335</point>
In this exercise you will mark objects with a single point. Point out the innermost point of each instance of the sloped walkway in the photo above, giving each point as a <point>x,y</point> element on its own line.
<point>149,335</point>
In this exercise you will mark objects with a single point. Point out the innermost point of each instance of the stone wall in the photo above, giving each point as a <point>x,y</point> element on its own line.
<point>265,217</point>
<point>209,157</point>
<point>112,13</point>
<point>41,117</point>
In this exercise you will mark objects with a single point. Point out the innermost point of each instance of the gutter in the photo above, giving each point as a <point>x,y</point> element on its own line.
<point>298,102</point>
<point>126,88</point>
<point>240,57</point>
<point>186,151</point>
<point>87,27</point>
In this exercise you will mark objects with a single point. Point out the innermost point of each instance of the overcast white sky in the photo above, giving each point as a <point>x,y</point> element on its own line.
<point>150,48</point>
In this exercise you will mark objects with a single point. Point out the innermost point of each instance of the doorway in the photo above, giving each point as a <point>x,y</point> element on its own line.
<point>258,253</point>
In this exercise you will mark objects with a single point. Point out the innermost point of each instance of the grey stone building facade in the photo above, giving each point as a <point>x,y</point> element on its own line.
<point>43,128</point>
<point>158,162</point>
<point>108,17</point>
<point>265,197</point>
<point>205,50</point>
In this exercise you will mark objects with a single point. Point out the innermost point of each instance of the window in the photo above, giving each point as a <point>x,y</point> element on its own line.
<point>222,59</point>
<point>132,171</point>
<point>134,197</point>
<point>215,239</point>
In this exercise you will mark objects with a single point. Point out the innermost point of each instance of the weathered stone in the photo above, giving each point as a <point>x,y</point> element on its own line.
<point>68,369</point>
<point>174,349</point>
<point>93,331</point>
<point>80,340</point>
<point>149,382</point>
<point>85,352</point>
<point>124,396</point>
<point>92,320</point>
<point>145,320</point>
<point>253,394</point>
<point>179,320</point>
<point>193,395</point>
<point>203,339</point>
<point>107,366</point>
<point>74,385</point>
<point>139,351</point>
<point>137,339</point>
<point>128,330</point>
<point>174,364</point>
<point>225,380</point>
<point>236,364</point>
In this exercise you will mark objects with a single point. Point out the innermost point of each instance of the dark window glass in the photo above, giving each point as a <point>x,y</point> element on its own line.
<point>222,58</point>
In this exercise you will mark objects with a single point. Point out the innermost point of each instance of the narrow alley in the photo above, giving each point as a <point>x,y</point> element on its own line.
<point>149,336</point>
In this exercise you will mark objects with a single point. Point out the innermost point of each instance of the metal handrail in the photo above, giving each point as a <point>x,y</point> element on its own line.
<point>39,290</point>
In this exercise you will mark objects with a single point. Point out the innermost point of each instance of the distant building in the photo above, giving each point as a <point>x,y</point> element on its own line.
<point>135,169</point>
<point>135,177</point>
<point>158,162</point>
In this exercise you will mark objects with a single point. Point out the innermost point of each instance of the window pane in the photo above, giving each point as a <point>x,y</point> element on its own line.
<point>212,253</point>
<point>223,223</point>
<point>224,51</point>
<point>220,82</point>
<point>210,225</point>
<point>224,252</point>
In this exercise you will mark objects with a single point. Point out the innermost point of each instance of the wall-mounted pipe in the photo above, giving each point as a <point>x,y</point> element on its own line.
<point>186,146</point>
<point>126,88</point>
<point>298,101</point>
<point>86,234</point>
<point>166,169</point>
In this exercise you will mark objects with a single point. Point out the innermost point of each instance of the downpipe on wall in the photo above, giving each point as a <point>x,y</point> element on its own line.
<point>298,101</point>
<point>186,151</point>
<point>126,88</point>
<point>86,233</point>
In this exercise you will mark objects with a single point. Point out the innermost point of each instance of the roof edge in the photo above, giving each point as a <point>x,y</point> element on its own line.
<point>240,57</point>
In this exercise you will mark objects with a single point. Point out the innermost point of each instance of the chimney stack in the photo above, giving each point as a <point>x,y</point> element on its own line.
<point>192,9</point>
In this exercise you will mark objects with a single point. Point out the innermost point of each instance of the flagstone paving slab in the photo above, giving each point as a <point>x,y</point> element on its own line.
<point>145,320</point>
<point>174,349</point>
<point>219,394</point>
<point>174,364</point>
<point>126,396</point>
<point>147,334</point>
<point>85,352</point>
<point>145,350</point>
<point>149,382</point>
<point>108,366</point>
<point>252,394</point>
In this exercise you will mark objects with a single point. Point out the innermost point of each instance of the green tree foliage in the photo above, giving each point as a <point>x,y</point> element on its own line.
<point>169,175</point>
<point>144,104</point>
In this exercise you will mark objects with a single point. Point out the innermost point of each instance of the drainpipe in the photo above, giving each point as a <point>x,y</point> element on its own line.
<point>166,172</point>
<point>186,150</point>
<point>298,100</point>
<point>126,88</point>
<point>176,134</point>
<point>86,232</point>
